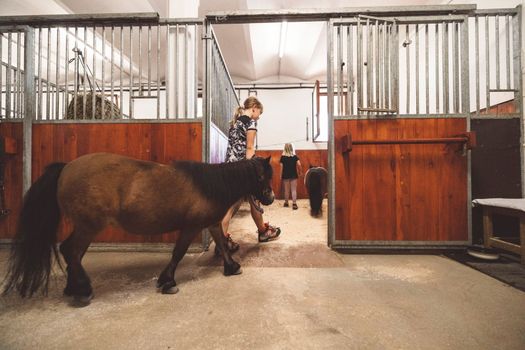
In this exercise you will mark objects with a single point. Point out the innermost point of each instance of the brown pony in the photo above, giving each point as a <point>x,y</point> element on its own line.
<point>315,180</point>
<point>141,197</point>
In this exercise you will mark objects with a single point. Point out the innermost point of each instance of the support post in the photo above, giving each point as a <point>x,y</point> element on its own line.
<point>29,105</point>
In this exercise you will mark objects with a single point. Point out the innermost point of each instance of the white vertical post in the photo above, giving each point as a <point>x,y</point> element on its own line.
<point>182,76</point>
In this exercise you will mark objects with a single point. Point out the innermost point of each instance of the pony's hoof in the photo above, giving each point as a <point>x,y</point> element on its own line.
<point>237,272</point>
<point>169,288</point>
<point>81,300</point>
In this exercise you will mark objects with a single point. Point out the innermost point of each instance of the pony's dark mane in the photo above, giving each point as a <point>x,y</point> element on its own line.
<point>224,183</point>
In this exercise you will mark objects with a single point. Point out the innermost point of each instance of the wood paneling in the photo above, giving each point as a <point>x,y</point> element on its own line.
<point>12,179</point>
<point>401,192</point>
<point>159,142</point>
<point>307,158</point>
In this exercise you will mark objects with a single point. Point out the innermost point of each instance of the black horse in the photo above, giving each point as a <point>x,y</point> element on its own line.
<point>315,181</point>
<point>141,197</point>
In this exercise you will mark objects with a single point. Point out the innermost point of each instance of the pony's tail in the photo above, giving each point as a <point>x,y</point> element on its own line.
<point>315,193</point>
<point>30,260</point>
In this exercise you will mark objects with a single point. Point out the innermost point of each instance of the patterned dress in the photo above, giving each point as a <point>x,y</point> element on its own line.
<point>237,138</point>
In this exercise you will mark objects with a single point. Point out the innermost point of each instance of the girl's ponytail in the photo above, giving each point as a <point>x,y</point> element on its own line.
<point>238,112</point>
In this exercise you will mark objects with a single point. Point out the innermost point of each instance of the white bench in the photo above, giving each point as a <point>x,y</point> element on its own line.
<point>514,207</point>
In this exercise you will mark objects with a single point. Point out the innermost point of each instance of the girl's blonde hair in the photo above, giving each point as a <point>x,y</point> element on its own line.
<point>288,150</point>
<point>250,102</point>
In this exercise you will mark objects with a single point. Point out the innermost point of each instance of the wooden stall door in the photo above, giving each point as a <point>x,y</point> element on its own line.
<point>63,142</point>
<point>402,193</point>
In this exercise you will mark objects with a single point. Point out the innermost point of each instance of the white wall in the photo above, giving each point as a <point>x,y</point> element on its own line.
<point>285,118</point>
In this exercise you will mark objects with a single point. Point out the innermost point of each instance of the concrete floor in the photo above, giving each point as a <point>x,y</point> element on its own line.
<point>294,293</point>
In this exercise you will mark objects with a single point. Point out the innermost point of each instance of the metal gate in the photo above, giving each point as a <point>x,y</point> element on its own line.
<point>399,143</point>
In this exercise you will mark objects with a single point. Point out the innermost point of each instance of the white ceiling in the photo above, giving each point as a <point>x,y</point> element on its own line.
<point>250,50</point>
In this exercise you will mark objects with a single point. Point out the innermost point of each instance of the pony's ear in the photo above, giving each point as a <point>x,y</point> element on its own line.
<point>268,159</point>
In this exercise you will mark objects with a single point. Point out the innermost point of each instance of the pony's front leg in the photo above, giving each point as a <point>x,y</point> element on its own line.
<point>166,282</point>
<point>231,267</point>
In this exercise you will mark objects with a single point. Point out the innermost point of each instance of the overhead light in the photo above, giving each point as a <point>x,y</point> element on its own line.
<point>282,40</point>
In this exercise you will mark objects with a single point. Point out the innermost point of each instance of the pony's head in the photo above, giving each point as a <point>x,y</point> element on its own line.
<point>264,192</point>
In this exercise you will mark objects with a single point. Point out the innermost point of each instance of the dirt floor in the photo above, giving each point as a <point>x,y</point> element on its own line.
<point>303,240</point>
<point>294,293</point>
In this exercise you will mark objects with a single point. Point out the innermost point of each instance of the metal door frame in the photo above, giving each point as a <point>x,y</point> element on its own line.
<point>332,117</point>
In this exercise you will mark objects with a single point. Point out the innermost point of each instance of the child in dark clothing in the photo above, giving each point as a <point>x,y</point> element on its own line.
<point>290,170</point>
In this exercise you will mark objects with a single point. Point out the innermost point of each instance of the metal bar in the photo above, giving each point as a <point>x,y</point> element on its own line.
<point>94,92</point>
<point>417,69</point>
<point>48,75</point>
<point>112,71</point>
<point>446,85</point>
<point>384,61</point>
<point>81,19</point>
<point>369,64</point>
<point>388,98</point>
<point>84,63</point>
<point>29,105</point>
<point>40,113</point>
<point>476,55</point>
<point>427,19</point>
<point>487,66</point>
<point>371,109</point>
<point>176,75</point>
<point>8,104</point>
<point>258,16</point>
<point>166,71</point>
<point>149,60</point>
<point>57,76</point>
<point>407,53</point>
<point>436,54</point>
<point>395,69</point>
<point>497,52</point>
<point>103,78</point>
<point>507,47</point>
<point>349,72</point>
<point>503,90</point>
<point>376,65</point>
<point>464,69</point>
<point>339,67</point>
<point>130,72</point>
<point>18,73</point>
<point>121,69</point>
<point>158,72</point>
<point>77,76</point>
<point>331,141</point>
<point>485,12</point>
<point>15,80</point>
<point>359,96</point>
<point>196,70</point>
<point>186,80</point>
<point>140,60</point>
<point>517,40</point>
<point>427,68</point>
<point>456,68</point>
<point>66,82</point>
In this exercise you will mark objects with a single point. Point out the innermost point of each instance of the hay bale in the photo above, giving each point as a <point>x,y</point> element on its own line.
<point>111,111</point>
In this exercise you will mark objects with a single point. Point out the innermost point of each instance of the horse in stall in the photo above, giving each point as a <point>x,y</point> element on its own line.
<point>141,197</point>
<point>315,181</point>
